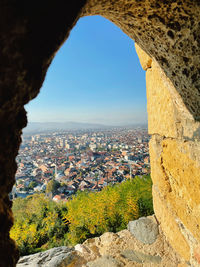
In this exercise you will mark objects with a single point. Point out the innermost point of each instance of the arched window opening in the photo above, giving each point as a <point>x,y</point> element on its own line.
<point>87,132</point>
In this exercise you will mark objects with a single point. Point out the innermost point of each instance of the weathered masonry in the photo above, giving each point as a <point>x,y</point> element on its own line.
<point>167,34</point>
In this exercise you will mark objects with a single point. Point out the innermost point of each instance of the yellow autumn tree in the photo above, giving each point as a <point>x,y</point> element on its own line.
<point>38,224</point>
<point>91,214</point>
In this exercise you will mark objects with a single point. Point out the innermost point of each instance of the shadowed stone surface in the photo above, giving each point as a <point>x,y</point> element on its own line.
<point>105,261</point>
<point>140,257</point>
<point>144,229</point>
<point>30,34</point>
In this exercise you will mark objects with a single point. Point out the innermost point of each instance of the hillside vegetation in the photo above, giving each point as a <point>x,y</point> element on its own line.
<point>41,223</point>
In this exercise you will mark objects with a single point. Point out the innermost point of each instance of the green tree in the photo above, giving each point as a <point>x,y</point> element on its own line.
<point>32,184</point>
<point>39,224</point>
<point>96,178</point>
<point>52,186</point>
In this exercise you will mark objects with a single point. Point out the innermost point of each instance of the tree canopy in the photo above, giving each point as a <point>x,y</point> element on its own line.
<point>40,223</point>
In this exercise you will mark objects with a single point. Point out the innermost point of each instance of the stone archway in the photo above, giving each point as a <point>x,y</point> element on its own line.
<point>168,31</point>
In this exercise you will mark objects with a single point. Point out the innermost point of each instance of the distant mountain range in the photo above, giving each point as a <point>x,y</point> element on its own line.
<point>52,126</point>
<point>49,126</point>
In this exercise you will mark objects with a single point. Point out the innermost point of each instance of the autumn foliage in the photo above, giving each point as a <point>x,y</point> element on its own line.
<point>91,214</point>
<point>41,223</point>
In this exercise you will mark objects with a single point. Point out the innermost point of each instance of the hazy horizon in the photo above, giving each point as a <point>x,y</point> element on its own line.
<point>66,121</point>
<point>78,124</point>
<point>89,122</point>
<point>36,127</point>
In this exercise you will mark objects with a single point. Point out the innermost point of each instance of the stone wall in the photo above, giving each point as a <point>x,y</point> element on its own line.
<point>32,31</point>
<point>30,34</point>
<point>175,162</point>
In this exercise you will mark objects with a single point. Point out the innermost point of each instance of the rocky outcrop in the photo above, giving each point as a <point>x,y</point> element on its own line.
<point>112,250</point>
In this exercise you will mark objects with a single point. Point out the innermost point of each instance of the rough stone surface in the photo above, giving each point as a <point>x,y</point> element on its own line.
<point>197,254</point>
<point>175,163</point>
<point>105,261</point>
<point>161,110</point>
<point>167,115</point>
<point>109,250</point>
<point>175,173</point>
<point>144,230</point>
<point>139,257</point>
<point>31,32</point>
<point>171,228</point>
<point>55,257</point>
<point>128,251</point>
<point>145,60</point>
<point>81,248</point>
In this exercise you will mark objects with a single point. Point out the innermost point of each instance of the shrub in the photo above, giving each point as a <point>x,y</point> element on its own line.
<point>41,224</point>
<point>38,223</point>
<point>91,214</point>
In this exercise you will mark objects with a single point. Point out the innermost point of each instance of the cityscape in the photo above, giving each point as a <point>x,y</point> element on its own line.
<point>87,159</point>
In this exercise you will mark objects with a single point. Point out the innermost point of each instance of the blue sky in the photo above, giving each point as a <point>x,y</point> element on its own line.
<point>95,77</point>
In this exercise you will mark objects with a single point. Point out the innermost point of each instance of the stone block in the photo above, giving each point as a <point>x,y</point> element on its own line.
<point>140,257</point>
<point>181,164</point>
<point>183,265</point>
<point>175,169</point>
<point>105,261</point>
<point>170,227</point>
<point>160,107</point>
<point>158,174</point>
<point>144,229</point>
<point>81,248</point>
<point>145,59</point>
<point>197,254</point>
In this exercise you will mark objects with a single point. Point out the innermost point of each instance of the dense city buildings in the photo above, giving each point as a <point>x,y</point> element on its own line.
<point>80,160</point>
